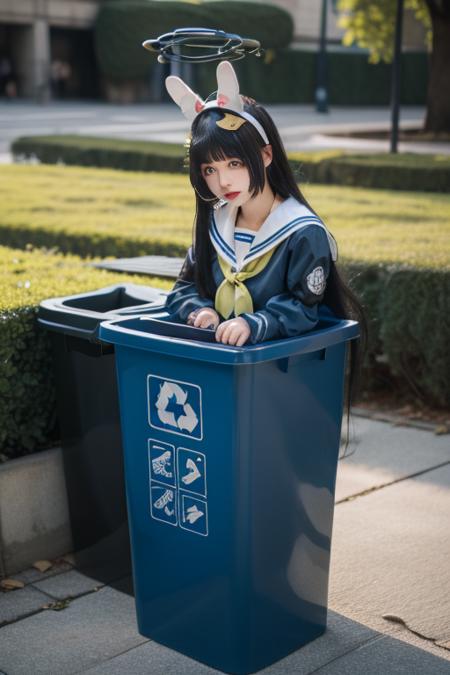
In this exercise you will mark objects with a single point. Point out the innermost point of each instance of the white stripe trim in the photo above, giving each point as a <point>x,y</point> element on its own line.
<point>218,243</point>
<point>264,318</point>
<point>280,234</point>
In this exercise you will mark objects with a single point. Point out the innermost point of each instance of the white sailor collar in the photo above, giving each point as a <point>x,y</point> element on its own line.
<point>287,218</point>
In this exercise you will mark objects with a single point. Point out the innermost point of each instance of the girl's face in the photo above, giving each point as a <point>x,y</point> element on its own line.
<point>228,179</point>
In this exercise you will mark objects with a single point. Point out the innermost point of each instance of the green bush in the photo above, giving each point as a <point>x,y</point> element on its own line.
<point>122,26</point>
<point>101,152</point>
<point>406,171</point>
<point>27,390</point>
<point>281,76</point>
<point>415,332</point>
<point>409,330</point>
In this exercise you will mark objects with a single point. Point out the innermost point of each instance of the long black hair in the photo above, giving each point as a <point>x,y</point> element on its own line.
<point>209,143</point>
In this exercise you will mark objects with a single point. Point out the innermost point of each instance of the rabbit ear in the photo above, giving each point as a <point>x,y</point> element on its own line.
<point>189,102</point>
<point>228,88</point>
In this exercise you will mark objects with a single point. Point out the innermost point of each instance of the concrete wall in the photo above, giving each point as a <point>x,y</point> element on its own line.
<point>30,22</point>
<point>66,13</point>
<point>307,18</point>
<point>34,515</point>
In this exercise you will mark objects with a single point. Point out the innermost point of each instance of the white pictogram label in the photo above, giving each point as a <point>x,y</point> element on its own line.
<point>175,406</point>
<point>194,515</point>
<point>191,466</point>
<point>163,503</point>
<point>161,460</point>
<point>178,489</point>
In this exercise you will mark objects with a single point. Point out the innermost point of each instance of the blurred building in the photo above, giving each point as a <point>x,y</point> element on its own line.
<point>47,47</point>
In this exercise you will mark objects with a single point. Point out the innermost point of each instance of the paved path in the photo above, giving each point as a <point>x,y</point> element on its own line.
<point>301,127</point>
<point>389,585</point>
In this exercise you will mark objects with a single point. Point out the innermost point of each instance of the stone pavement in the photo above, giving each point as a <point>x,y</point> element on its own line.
<point>389,589</point>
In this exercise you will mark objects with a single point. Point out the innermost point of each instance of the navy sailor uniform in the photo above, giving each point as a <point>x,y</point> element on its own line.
<point>287,293</point>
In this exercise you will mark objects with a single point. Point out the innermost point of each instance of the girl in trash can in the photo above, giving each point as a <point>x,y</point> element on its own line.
<point>262,263</point>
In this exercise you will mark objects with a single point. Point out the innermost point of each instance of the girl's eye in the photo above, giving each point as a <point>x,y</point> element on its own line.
<point>208,170</point>
<point>236,162</point>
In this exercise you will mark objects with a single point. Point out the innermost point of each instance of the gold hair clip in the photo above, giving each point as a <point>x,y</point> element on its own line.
<point>231,122</point>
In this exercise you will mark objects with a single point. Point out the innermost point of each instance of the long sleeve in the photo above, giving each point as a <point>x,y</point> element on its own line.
<point>184,297</point>
<point>296,311</point>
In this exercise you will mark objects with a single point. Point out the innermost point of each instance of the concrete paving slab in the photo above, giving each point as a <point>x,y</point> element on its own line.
<point>32,575</point>
<point>90,630</point>
<point>69,584</point>
<point>151,658</point>
<point>341,636</point>
<point>387,655</point>
<point>384,453</point>
<point>15,604</point>
<point>390,554</point>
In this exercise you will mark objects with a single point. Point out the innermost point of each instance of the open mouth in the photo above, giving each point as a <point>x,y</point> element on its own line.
<point>231,195</point>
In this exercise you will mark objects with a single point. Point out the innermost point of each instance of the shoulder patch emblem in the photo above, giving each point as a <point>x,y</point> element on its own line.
<point>316,281</point>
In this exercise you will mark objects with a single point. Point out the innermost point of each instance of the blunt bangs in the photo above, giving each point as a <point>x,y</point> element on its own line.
<point>210,143</point>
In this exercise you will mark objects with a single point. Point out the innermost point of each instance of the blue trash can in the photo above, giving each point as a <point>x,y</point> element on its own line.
<point>230,468</point>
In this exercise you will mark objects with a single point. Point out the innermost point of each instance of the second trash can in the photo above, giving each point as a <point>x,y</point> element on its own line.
<point>88,415</point>
<point>230,465</point>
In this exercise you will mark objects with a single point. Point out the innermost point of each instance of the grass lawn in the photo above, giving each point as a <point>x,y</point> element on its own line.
<point>379,226</point>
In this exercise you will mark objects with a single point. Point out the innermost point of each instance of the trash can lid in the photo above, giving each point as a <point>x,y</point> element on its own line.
<point>81,314</point>
<point>165,337</point>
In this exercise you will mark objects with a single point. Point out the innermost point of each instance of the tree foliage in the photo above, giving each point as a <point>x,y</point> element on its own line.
<point>370,24</point>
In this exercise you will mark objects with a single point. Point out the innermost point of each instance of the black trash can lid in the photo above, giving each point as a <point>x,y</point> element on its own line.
<point>81,314</point>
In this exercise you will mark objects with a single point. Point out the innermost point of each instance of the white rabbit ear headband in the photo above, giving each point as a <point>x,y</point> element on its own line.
<point>228,98</point>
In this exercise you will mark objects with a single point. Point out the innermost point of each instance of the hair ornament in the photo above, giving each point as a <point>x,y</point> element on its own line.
<point>228,97</point>
<point>230,122</point>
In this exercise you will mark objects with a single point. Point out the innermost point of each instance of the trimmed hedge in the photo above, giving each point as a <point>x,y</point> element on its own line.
<point>386,171</point>
<point>409,329</point>
<point>122,26</point>
<point>289,76</point>
<point>406,171</point>
<point>114,153</point>
<point>27,390</point>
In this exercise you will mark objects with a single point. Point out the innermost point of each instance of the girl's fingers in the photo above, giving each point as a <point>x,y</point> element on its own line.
<point>243,338</point>
<point>231,335</point>
<point>201,318</point>
<point>206,319</point>
<point>224,333</point>
<point>219,331</point>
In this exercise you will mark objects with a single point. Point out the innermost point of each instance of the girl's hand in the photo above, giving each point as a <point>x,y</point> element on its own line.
<point>233,332</point>
<point>204,318</point>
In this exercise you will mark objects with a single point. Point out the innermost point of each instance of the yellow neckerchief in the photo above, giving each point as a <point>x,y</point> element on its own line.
<point>232,294</point>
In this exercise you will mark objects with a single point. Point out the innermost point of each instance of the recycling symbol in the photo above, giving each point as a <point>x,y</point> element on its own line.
<point>173,408</point>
